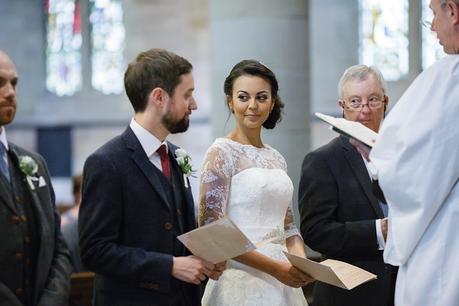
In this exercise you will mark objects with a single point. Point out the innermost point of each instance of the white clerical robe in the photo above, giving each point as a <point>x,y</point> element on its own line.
<point>417,159</point>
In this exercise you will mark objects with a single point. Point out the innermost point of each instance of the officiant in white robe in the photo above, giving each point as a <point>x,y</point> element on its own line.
<point>416,159</point>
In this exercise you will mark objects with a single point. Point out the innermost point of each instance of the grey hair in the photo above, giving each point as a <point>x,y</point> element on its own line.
<point>360,73</point>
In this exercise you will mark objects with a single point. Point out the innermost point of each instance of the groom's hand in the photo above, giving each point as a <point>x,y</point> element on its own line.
<point>191,269</point>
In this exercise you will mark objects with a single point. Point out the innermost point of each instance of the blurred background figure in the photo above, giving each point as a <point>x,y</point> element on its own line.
<point>69,224</point>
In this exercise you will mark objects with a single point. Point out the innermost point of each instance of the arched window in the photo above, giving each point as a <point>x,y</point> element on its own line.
<point>384,36</point>
<point>64,71</point>
<point>63,50</point>
<point>107,45</point>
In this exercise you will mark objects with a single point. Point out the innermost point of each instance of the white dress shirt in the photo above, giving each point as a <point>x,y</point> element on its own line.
<point>379,234</point>
<point>149,143</point>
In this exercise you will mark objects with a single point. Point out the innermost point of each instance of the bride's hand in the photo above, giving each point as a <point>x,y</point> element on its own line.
<point>218,270</point>
<point>291,276</point>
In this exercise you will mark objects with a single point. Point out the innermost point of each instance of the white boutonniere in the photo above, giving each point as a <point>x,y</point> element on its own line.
<point>184,161</point>
<point>29,167</point>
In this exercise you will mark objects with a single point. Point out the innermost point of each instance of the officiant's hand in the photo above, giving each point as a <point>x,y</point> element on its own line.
<point>218,270</point>
<point>291,276</point>
<point>362,148</point>
<point>384,225</point>
<point>191,269</point>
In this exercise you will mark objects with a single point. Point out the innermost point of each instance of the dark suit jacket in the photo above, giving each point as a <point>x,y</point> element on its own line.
<point>338,212</point>
<point>53,267</point>
<point>127,229</point>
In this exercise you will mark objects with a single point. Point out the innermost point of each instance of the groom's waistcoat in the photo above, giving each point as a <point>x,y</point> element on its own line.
<point>175,196</point>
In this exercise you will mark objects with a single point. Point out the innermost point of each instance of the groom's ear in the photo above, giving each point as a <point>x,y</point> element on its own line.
<point>157,96</point>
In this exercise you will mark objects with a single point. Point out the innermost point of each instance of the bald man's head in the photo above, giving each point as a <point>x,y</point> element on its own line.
<point>8,81</point>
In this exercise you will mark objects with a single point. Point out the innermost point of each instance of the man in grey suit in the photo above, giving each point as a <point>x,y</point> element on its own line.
<point>34,261</point>
<point>137,198</point>
<point>340,214</point>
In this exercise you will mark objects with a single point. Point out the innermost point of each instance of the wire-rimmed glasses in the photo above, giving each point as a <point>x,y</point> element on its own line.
<point>356,104</point>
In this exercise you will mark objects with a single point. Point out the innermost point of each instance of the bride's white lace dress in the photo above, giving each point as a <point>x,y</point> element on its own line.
<point>251,186</point>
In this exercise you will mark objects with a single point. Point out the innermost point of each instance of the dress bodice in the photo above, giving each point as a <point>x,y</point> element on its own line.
<point>251,186</point>
<point>258,201</point>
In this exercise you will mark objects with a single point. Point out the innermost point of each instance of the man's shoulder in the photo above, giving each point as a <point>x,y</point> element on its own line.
<point>20,151</point>
<point>110,153</point>
<point>444,68</point>
<point>113,147</point>
<point>330,149</point>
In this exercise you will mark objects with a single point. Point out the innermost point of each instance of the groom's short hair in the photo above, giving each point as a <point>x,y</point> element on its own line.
<point>150,69</point>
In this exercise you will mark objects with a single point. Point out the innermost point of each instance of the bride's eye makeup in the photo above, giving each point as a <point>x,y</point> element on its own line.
<point>262,97</point>
<point>242,97</point>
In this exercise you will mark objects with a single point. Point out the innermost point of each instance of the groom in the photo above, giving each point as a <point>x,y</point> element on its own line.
<point>136,199</point>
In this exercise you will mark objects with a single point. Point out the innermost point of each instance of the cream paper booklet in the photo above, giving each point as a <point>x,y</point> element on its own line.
<point>217,241</point>
<point>333,272</point>
<point>350,129</point>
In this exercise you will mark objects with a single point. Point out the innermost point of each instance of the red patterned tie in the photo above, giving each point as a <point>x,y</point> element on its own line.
<point>165,163</point>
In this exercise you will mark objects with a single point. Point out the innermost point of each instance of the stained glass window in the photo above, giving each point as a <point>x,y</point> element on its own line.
<point>63,51</point>
<point>107,42</point>
<point>384,36</point>
<point>431,49</point>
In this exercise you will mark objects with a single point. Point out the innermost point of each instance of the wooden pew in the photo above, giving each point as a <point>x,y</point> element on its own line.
<point>81,288</point>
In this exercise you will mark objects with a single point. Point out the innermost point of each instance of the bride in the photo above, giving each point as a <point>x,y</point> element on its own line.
<point>247,180</point>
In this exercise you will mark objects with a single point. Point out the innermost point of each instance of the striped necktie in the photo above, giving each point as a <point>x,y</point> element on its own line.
<point>3,162</point>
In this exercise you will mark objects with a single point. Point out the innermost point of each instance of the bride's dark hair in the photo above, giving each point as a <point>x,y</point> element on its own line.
<point>255,68</point>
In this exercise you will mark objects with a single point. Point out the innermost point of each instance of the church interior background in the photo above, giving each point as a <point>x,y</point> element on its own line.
<point>71,56</point>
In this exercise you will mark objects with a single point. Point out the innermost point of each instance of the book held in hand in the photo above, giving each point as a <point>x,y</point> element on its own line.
<point>333,272</point>
<point>217,241</point>
<point>350,129</point>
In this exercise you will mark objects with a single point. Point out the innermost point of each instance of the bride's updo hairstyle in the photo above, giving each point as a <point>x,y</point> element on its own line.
<point>255,68</point>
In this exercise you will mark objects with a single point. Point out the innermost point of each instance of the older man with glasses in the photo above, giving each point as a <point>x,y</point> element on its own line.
<point>340,215</point>
<point>416,161</point>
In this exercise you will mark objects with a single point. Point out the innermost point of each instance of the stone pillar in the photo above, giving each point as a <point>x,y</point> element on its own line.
<point>277,34</point>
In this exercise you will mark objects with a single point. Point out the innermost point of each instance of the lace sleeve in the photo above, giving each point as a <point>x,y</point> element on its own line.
<point>290,228</point>
<point>215,183</point>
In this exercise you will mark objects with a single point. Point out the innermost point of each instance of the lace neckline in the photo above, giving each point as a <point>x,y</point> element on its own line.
<point>265,146</point>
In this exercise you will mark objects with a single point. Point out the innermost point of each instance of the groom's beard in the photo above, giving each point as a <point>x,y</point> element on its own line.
<point>176,126</point>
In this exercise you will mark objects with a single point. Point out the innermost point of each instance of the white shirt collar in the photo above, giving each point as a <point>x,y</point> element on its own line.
<point>372,171</point>
<point>148,141</point>
<point>3,137</point>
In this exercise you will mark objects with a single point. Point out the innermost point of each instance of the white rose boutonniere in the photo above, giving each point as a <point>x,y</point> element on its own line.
<point>29,167</point>
<point>184,161</point>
